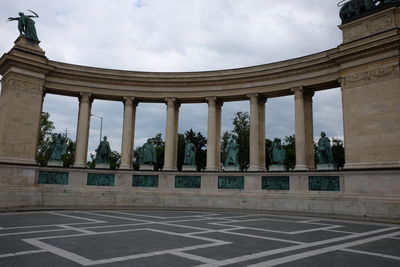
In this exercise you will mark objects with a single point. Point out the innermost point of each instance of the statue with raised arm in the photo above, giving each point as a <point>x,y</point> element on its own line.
<point>103,152</point>
<point>324,150</point>
<point>26,25</point>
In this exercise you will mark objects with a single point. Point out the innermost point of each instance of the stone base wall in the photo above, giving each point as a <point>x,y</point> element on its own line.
<point>367,193</point>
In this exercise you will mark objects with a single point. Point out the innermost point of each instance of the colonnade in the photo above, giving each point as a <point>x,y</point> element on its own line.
<point>303,131</point>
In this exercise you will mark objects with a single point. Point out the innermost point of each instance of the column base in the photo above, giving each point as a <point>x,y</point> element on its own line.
<point>212,169</point>
<point>303,168</point>
<point>256,169</point>
<point>169,169</point>
<point>79,165</point>
<point>125,167</point>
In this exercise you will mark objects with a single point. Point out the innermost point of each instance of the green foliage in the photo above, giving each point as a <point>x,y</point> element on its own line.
<point>241,135</point>
<point>226,136</point>
<point>46,139</point>
<point>338,152</point>
<point>289,144</point>
<point>115,160</point>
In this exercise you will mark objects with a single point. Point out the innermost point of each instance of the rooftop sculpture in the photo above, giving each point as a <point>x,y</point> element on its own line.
<point>354,9</point>
<point>26,25</point>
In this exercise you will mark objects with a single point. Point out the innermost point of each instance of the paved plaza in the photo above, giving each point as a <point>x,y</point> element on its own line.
<point>192,238</point>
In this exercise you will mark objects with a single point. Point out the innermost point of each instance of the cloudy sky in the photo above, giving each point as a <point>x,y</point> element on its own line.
<point>180,35</point>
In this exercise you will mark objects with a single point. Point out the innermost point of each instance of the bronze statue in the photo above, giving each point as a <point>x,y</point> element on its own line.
<point>26,25</point>
<point>149,154</point>
<point>190,154</point>
<point>103,152</point>
<point>324,150</point>
<point>58,147</point>
<point>232,155</point>
<point>277,153</point>
<point>356,8</point>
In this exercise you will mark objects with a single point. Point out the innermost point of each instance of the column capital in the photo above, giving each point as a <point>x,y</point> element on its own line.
<point>213,100</point>
<point>297,89</point>
<point>130,100</point>
<point>253,96</point>
<point>172,101</point>
<point>85,97</point>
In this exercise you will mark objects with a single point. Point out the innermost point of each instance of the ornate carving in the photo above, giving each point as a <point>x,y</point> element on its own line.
<point>100,179</point>
<point>324,183</point>
<point>231,182</point>
<point>46,177</point>
<point>275,183</point>
<point>145,180</point>
<point>187,181</point>
<point>360,78</point>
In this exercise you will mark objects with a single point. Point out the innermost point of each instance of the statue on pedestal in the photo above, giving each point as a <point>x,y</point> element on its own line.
<point>325,156</point>
<point>103,153</point>
<point>190,154</point>
<point>232,161</point>
<point>58,149</point>
<point>189,160</point>
<point>277,155</point>
<point>147,156</point>
<point>26,25</point>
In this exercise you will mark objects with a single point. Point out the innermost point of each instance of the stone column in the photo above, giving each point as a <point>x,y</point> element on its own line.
<point>128,133</point>
<point>82,131</point>
<point>171,138</point>
<point>304,130</point>
<point>257,133</point>
<point>213,135</point>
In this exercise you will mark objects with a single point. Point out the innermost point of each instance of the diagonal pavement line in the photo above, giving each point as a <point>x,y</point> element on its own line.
<point>116,217</point>
<point>22,253</point>
<point>60,252</point>
<point>293,248</point>
<point>76,217</point>
<point>372,254</point>
<point>320,251</point>
<point>262,237</point>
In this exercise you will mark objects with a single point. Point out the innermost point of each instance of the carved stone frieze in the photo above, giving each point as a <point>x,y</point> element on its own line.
<point>362,29</point>
<point>368,76</point>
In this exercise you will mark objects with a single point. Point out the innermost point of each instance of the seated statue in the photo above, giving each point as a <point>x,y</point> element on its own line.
<point>190,154</point>
<point>232,155</point>
<point>148,153</point>
<point>324,150</point>
<point>277,153</point>
<point>58,148</point>
<point>103,152</point>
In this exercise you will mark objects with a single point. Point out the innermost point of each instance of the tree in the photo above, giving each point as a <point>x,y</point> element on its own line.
<point>290,146</point>
<point>338,152</point>
<point>45,139</point>
<point>226,136</point>
<point>241,134</point>
<point>159,146</point>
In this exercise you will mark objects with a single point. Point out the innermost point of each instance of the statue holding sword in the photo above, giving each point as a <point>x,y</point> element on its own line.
<point>26,25</point>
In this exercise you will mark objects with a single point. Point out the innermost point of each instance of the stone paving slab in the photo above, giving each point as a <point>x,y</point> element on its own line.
<point>190,238</point>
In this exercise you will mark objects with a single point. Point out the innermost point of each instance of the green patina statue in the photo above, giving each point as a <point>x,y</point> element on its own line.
<point>103,152</point>
<point>190,154</point>
<point>26,25</point>
<point>276,153</point>
<point>58,147</point>
<point>232,155</point>
<point>324,150</point>
<point>357,8</point>
<point>148,153</point>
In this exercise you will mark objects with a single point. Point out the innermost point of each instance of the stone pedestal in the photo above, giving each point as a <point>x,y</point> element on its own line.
<point>326,167</point>
<point>277,168</point>
<point>146,167</point>
<point>189,168</point>
<point>102,166</point>
<point>55,163</point>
